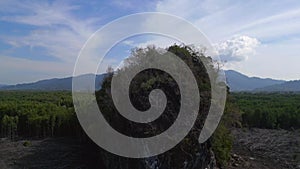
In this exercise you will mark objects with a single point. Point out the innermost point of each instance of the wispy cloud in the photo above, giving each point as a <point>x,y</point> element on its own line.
<point>135,5</point>
<point>61,28</point>
<point>274,23</point>
<point>54,28</point>
<point>221,20</point>
<point>57,30</point>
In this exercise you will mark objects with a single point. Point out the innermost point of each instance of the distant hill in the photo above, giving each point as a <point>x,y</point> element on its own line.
<point>57,84</point>
<point>2,85</point>
<point>241,82</point>
<point>290,86</point>
<point>236,81</point>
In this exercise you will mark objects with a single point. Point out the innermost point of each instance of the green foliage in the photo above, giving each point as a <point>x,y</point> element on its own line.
<point>37,114</point>
<point>222,139</point>
<point>189,150</point>
<point>222,144</point>
<point>9,125</point>
<point>27,143</point>
<point>269,110</point>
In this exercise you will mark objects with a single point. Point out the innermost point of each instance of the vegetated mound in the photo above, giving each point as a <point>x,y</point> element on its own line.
<point>188,154</point>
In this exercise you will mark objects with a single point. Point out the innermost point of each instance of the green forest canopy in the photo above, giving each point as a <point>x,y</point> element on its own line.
<point>269,110</point>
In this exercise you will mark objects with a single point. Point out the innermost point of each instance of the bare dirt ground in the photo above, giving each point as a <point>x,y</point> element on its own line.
<point>265,149</point>
<point>252,149</point>
<point>58,153</point>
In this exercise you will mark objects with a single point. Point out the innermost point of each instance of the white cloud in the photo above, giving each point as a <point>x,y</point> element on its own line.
<point>221,19</point>
<point>57,30</point>
<point>278,61</point>
<point>156,40</point>
<point>192,9</point>
<point>238,48</point>
<point>275,23</point>
<point>135,5</point>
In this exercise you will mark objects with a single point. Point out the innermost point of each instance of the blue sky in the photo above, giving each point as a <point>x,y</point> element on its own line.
<point>42,39</point>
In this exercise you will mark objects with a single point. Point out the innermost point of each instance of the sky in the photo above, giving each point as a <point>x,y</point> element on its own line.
<point>42,39</point>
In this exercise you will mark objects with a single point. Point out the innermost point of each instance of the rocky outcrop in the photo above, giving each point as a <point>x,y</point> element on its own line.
<point>188,154</point>
<point>202,160</point>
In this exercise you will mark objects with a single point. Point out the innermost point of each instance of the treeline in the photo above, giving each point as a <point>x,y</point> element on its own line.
<point>37,114</point>
<point>269,110</point>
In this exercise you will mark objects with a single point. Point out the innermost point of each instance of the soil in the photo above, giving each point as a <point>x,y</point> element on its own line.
<point>51,153</point>
<point>265,149</point>
<point>252,149</point>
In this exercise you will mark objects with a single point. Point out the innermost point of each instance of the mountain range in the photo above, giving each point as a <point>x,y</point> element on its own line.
<point>236,81</point>
<point>240,82</point>
<point>290,86</point>
<point>2,85</point>
<point>58,84</point>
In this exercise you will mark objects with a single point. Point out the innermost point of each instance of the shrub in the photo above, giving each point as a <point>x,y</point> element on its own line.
<point>27,143</point>
<point>222,144</point>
